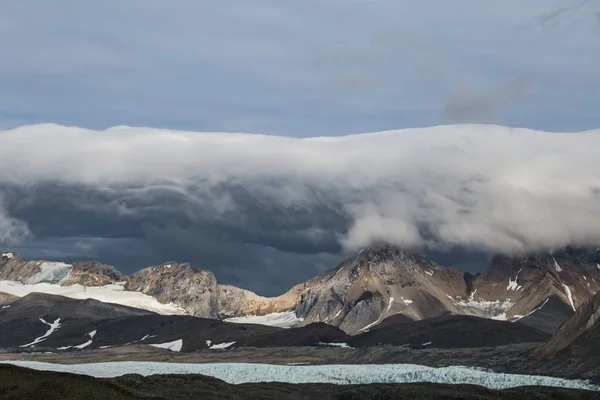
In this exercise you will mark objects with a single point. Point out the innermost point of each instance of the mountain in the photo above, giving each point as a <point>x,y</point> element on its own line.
<point>574,350</point>
<point>55,323</point>
<point>579,334</point>
<point>523,285</point>
<point>540,290</point>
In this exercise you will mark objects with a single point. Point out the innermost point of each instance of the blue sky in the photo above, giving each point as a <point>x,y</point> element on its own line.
<point>299,68</point>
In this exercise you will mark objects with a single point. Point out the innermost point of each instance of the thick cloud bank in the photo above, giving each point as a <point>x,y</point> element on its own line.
<point>230,195</point>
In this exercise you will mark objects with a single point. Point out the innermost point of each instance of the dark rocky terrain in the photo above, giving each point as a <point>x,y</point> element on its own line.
<point>450,331</point>
<point>21,383</point>
<point>114,325</point>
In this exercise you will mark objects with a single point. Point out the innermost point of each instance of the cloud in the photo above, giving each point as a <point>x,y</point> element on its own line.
<point>12,230</point>
<point>474,186</point>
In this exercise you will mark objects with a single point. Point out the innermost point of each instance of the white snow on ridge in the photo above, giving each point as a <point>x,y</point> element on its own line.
<point>237,373</point>
<point>53,327</point>
<point>8,255</point>
<point>570,296</point>
<point>175,345</point>
<point>556,266</point>
<point>109,294</point>
<point>518,317</point>
<point>287,319</point>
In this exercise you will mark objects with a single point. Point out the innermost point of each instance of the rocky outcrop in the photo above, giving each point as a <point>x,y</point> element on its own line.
<point>92,273</point>
<point>581,329</point>
<point>13,268</point>
<point>525,284</point>
<point>6,299</point>
<point>191,288</point>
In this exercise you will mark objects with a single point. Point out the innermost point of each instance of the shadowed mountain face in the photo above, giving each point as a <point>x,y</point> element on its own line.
<point>540,290</point>
<point>452,331</point>
<point>41,321</point>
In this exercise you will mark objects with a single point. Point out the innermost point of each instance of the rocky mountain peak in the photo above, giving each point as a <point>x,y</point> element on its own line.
<point>92,273</point>
<point>189,287</point>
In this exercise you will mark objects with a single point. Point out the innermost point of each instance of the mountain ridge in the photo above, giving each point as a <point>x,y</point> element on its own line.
<point>359,293</point>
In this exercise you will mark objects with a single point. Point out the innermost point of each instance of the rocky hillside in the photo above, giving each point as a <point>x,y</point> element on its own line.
<point>521,285</point>
<point>582,330</point>
<point>540,290</point>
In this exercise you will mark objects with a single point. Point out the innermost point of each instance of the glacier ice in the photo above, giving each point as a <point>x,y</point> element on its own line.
<point>237,373</point>
<point>114,293</point>
<point>51,272</point>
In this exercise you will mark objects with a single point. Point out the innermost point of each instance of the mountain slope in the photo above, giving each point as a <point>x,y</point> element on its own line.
<point>449,331</point>
<point>540,290</point>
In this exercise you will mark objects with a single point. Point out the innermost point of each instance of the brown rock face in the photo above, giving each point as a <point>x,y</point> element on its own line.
<point>582,327</point>
<point>571,275</point>
<point>92,273</point>
<point>190,288</point>
<point>379,282</point>
<point>13,268</point>
<point>6,299</point>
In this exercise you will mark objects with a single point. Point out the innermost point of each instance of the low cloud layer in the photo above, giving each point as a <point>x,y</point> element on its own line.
<point>238,203</point>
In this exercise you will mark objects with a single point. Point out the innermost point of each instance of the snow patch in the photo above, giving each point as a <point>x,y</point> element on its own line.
<point>512,285</point>
<point>518,317</point>
<point>144,338</point>
<point>53,327</point>
<point>287,319</point>
<point>7,255</point>
<point>341,345</point>
<point>168,266</point>
<point>175,345</point>
<point>429,272</point>
<point>484,308</point>
<point>114,293</point>
<point>570,296</point>
<point>338,313</point>
<point>221,346</point>
<point>426,343</point>
<point>208,342</point>
<point>86,344</point>
<point>406,301</point>
<point>3,307</point>
<point>556,266</point>
<point>238,373</point>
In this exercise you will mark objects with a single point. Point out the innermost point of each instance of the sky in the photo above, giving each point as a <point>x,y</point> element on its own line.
<point>292,70</point>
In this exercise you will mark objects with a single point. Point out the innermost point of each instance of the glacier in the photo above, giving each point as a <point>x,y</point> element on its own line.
<point>237,373</point>
<point>113,293</point>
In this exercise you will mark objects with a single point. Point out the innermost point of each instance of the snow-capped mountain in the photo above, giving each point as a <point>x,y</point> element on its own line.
<point>540,290</point>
